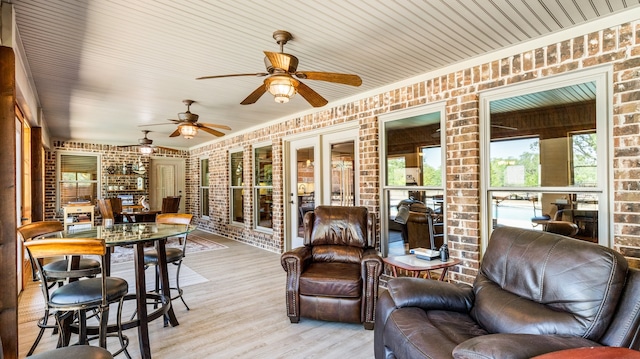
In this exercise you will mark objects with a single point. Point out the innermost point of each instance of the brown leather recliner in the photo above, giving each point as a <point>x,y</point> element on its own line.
<point>535,293</point>
<point>420,230</point>
<point>334,276</point>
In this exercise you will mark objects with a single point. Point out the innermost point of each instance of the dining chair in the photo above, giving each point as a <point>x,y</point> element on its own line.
<point>116,208</point>
<point>174,255</point>
<point>43,230</point>
<point>170,204</point>
<point>106,211</point>
<point>74,298</point>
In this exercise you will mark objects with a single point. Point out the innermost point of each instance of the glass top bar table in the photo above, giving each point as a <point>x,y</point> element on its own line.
<point>139,235</point>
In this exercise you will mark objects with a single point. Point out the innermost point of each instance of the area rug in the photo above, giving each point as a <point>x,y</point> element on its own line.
<point>197,241</point>
<point>31,302</point>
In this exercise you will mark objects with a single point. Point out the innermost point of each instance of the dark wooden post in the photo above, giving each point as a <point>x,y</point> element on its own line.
<point>37,175</point>
<point>8,214</point>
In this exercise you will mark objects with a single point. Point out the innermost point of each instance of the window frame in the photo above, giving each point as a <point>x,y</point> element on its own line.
<point>236,187</point>
<point>257,187</point>
<point>601,76</point>
<point>386,189</point>
<point>205,208</point>
<point>59,180</point>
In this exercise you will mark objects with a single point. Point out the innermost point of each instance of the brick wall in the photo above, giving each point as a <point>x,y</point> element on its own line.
<point>109,156</point>
<point>618,46</point>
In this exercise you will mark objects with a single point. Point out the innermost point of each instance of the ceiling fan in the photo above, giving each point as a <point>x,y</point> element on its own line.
<point>281,70</point>
<point>188,124</point>
<point>146,146</point>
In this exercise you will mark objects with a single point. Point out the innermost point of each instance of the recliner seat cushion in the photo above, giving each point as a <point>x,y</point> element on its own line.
<point>331,280</point>
<point>412,332</point>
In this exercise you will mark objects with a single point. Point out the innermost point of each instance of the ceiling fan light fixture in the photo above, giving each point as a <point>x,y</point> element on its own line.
<point>283,88</point>
<point>188,130</point>
<point>146,150</point>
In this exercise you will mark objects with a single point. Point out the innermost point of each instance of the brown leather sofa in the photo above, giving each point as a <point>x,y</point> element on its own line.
<point>535,293</point>
<point>334,276</point>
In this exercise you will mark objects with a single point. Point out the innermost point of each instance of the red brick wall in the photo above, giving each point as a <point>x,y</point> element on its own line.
<point>618,47</point>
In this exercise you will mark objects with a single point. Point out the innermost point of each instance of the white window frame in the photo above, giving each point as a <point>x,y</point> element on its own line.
<point>384,188</point>
<point>202,188</point>
<point>233,186</point>
<point>256,187</point>
<point>602,76</point>
<point>59,181</point>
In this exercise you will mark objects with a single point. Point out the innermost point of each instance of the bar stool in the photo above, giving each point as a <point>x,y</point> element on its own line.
<point>77,297</point>
<point>37,231</point>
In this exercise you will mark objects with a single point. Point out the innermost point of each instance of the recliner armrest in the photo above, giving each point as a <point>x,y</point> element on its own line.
<point>517,346</point>
<point>370,258</point>
<point>431,294</point>
<point>296,258</point>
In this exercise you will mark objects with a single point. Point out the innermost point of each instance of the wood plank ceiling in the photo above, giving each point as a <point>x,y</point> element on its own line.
<point>102,68</point>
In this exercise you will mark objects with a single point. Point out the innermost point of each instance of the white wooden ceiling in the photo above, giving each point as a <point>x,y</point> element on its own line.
<point>102,68</point>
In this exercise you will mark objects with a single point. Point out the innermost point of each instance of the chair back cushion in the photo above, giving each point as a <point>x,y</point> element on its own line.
<point>336,233</point>
<point>542,283</point>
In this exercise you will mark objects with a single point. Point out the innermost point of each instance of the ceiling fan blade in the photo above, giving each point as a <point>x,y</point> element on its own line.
<point>282,61</point>
<point>345,79</point>
<point>224,127</point>
<point>175,133</point>
<point>258,74</point>
<point>123,146</point>
<point>157,124</point>
<point>311,96</point>
<point>255,95</point>
<point>211,131</point>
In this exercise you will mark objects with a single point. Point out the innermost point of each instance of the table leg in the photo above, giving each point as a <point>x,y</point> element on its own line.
<point>141,301</point>
<point>164,279</point>
<point>443,274</point>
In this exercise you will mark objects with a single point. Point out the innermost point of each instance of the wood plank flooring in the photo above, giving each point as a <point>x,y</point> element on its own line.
<point>238,313</point>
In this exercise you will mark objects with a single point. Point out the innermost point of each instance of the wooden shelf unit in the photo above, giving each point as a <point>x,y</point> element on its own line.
<point>77,209</point>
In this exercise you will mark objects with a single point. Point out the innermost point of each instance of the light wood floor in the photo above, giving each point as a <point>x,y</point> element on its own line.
<point>238,313</point>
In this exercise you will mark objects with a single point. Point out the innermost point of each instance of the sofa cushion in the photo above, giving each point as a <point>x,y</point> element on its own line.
<point>547,284</point>
<point>412,332</point>
<point>331,280</point>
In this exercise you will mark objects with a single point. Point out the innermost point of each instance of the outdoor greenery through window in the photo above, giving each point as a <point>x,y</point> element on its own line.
<point>78,178</point>
<point>204,187</point>
<point>263,186</point>
<point>515,163</point>
<point>237,187</point>
<point>584,166</point>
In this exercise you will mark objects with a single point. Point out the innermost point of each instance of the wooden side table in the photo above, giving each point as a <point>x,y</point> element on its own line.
<point>412,264</point>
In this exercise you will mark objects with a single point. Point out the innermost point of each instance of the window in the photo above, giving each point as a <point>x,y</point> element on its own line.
<point>237,187</point>
<point>583,159</point>
<point>412,165</point>
<point>204,187</point>
<point>546,156</point>
<point>77,178</point>
<point>263,186</point>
